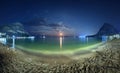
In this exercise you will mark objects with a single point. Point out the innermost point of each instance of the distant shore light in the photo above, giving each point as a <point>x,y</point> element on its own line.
<point>82,36</point>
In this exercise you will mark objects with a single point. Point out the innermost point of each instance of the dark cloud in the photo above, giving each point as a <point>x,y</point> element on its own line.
<point>41,26</point>
<point>51,29</point>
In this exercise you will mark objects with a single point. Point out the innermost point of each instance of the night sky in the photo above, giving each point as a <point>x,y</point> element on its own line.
<point>84,16</point>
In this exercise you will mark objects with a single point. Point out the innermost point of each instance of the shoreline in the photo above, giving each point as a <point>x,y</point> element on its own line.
<point>65,52</point>
<point>62,58</point>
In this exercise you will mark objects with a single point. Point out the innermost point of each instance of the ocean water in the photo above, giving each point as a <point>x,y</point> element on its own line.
<point>55,44</point>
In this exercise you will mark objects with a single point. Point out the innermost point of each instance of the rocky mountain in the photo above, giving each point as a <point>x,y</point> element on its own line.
<point>106,29</point>
<point>13,29</point>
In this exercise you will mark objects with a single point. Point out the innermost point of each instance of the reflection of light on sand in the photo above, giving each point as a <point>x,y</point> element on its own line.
<point>61,42</point>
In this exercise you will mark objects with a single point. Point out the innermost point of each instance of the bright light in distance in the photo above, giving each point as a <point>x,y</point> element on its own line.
<point>82,36</point>
<point>61,34</point>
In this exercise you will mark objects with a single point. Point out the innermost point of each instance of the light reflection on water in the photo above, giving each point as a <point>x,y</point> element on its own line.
<point>55,43</point>
<point>61,42</point>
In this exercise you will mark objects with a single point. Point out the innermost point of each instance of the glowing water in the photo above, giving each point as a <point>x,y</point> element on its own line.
<point>61,42</point>
<point>55,44</point>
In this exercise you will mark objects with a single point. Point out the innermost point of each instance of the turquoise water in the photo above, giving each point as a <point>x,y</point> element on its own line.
<point>53,44</point>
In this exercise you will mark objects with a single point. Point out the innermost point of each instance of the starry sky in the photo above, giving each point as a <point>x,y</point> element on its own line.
<point>84,16</point>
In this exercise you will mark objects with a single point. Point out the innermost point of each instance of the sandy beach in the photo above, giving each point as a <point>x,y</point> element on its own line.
<point>106,59</point>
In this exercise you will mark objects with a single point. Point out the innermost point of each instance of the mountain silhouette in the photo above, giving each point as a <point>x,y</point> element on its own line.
<point>106,30</point>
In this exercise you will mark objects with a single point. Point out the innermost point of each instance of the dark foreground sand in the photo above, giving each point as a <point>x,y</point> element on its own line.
<point>105,60</point>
